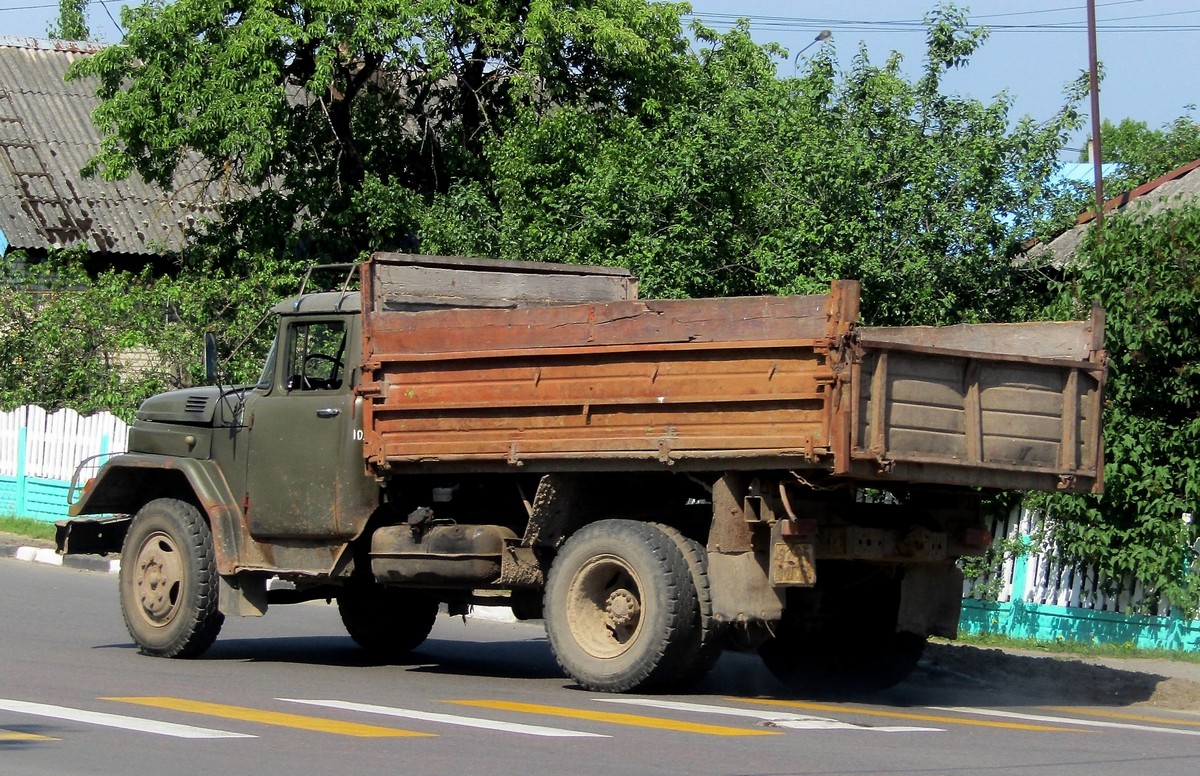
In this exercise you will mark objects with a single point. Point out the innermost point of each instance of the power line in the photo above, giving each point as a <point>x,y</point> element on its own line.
<point>804,24</point>
<point>807,25</point>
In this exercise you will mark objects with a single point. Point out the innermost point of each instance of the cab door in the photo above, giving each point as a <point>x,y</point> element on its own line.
<point>305,475</point>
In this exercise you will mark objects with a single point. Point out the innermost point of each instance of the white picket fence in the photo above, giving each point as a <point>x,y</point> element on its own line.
<point>39,452</point>
<point>1046,580</point>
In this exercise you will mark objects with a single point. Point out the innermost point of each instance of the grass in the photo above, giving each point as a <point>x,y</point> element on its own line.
<point>1082,649</point>
<point>24,526</point>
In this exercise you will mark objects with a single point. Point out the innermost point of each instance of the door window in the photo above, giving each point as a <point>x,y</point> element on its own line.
<point>316,356</point>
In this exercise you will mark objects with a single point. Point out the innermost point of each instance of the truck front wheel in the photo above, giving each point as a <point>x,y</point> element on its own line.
<point>620,606</point>
<point>168,581</point>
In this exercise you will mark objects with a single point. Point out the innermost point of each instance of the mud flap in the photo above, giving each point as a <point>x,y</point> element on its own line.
<point>930,600</point>
<point>244,596</point>
<point>741,590</point>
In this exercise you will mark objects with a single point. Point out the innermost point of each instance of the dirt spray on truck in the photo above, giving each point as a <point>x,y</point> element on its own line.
<point>658,480</point>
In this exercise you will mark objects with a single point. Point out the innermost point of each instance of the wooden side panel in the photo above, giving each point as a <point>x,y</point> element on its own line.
<point>973,419</point>
<point>413,282</point>
<point>648,384</point>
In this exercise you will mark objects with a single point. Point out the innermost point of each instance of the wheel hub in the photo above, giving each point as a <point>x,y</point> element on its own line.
<point>622,608</point>
<point>158,579</point>
<point>604,607</point>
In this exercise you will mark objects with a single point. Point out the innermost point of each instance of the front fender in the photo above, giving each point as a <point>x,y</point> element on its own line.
<point>128,481</point>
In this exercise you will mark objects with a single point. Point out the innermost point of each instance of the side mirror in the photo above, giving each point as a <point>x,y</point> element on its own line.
<point>210,358</point>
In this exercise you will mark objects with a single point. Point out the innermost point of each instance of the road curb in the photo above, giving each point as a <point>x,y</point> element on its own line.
<point>49,557</point>
<point>492,614</point>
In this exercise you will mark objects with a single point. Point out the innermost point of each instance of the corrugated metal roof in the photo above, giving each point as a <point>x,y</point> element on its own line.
<point>46,136</point>
<point>1177,187</point>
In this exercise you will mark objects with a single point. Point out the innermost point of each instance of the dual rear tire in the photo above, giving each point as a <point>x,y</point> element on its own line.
<point>627,607</point>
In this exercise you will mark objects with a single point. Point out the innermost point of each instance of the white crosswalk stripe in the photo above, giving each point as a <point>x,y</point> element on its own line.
<point>1067,720</point>
<point>448,719</point>
<point>115,720</point>
<point>776,718</point>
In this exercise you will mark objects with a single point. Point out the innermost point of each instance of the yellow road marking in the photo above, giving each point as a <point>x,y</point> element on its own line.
<point>1120,715</point>
<point>904,715</point>
<point>280,719</point>
<point>616,718</point>
<point>13,735</point>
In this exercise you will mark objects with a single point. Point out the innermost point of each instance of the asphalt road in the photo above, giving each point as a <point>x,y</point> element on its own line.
<point>290,694</point>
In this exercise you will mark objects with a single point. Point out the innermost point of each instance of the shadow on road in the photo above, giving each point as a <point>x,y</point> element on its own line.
<point>948,675</point>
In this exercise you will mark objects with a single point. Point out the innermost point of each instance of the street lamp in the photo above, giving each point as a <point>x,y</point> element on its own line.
<point>822,35</point>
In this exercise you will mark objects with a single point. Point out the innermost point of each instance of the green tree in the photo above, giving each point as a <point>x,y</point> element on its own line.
<point>72,21</point>
<point>310,99</point>
<point>736,181</point>
<point>107,341</point>
<point>1146,272</point>
<point>1146,153</point>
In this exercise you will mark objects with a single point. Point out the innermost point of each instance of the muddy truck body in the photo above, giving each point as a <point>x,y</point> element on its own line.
<point>656,480</point>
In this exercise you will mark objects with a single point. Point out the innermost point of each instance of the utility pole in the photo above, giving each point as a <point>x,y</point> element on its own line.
<point>1094,84</point>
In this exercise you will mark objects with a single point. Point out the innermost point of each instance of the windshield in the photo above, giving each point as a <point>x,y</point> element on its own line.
<point>264,379</point>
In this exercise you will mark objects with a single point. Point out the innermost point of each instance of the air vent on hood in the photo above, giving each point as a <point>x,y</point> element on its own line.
<point>196,404</point>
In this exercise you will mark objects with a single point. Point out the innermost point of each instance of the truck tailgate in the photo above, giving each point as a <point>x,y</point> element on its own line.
<point>994,405</point>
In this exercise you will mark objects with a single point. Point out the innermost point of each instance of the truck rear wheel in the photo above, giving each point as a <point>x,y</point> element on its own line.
<point>620,606</point>
<point>704,650</point>
<point>841,636</point>
<point>168,581</point>
<point>388,622</point>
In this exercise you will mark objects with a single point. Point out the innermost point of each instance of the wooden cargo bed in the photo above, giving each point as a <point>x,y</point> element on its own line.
<point>718,384</point>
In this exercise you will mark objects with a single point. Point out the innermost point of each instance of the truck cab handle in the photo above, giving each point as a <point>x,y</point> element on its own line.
<point>328,412</point>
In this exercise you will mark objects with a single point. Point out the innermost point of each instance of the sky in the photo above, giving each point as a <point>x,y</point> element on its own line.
<point>1148,48</point>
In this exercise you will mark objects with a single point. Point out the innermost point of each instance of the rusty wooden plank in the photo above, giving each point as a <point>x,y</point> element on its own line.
<point>417,282</point>
<point>591,351</point>
<point>1026,450</point>
<point>924,417</point>
<point>1035,428</point>
<point>798,319</point>
<point>1052,340</point>
<point>1070,423</point>
<point>565,381</point>
<point>1024,399</point>
<point>879,406</point>
<point>973,413</point>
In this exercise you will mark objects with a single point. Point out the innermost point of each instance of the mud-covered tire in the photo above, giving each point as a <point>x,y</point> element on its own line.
<point>841,637</point>
<point>168,582</point>
<point>826,669</point>
<point>704,649</point>
<point>387,622</point>
<point>620,607</point>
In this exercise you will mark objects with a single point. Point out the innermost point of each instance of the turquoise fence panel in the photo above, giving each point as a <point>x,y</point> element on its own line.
<point>1045,623</point>
<point>33,498</point>
<point>19,505</point>
<point>46,499</point>
<point>8,495</point>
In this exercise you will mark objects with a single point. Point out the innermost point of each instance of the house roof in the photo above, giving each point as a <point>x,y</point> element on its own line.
<point>1181,185</point>
<point>46,137</point>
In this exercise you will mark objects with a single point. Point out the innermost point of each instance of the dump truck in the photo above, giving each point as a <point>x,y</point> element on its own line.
<point>656,480</point>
